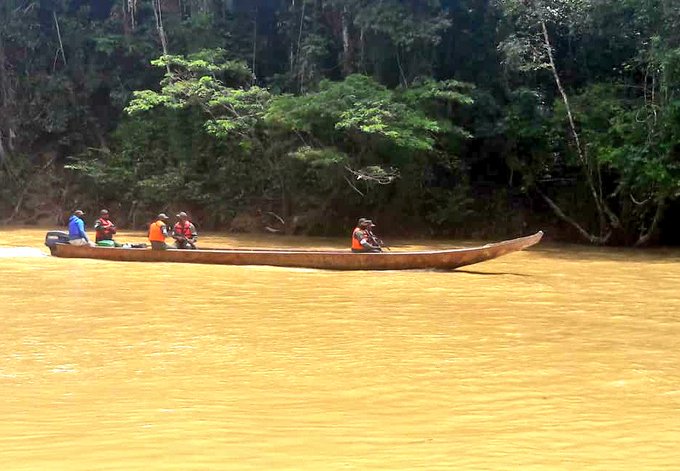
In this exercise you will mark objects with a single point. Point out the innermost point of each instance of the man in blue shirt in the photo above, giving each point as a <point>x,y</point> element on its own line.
<point>76,230</point>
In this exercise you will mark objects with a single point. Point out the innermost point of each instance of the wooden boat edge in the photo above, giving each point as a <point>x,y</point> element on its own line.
<point>322,259</point>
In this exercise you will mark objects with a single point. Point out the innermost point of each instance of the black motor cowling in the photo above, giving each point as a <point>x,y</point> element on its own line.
<point>53,238</point>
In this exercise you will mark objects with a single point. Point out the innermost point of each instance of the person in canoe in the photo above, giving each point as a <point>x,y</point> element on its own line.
<point>158,232</point>
<point>76,230</point>
<point>184,232</point>
<point>361,241</point>
<point>104,230</point>
<point>374,239</point>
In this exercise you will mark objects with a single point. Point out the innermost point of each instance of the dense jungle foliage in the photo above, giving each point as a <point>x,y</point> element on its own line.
<point>465,118</point>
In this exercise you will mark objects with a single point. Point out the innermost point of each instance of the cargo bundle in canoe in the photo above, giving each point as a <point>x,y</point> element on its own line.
<point>324,259</point>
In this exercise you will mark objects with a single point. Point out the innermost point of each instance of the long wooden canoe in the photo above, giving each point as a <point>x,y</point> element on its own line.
<point>324,259</point>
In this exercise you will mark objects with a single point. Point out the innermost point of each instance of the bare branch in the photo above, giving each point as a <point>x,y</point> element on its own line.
<point>558,211</point>
<point>353,187</point>
<point>375,174</point>
<point>61,44</point>
<point>639,203</point>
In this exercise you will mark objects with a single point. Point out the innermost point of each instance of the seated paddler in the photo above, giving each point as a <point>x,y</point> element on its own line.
<point>158,231</point>
<point>76,230</point>
<point>361,240</point>
<point>372,238</point>
<point>184,232</point>
<point>104,230</point>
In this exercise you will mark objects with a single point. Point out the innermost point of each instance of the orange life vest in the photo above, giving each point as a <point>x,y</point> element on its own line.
<point>356,244</point>
<point>156,231</point>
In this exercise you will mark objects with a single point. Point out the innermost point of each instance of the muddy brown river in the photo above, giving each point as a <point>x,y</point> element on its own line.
<point>560,357</point>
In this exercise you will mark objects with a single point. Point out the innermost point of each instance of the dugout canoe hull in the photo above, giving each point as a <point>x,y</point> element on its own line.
<point>322,259</point>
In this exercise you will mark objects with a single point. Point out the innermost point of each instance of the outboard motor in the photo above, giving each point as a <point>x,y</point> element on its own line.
<point>56,237</point>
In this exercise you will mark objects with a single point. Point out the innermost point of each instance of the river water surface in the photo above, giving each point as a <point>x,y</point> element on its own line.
<point>554,358</point>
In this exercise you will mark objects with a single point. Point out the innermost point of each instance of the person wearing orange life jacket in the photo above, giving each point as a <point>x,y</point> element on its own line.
<point>105,228</point>
<point>361,242</point>
<point>184,232</point>
<point>158,231</point>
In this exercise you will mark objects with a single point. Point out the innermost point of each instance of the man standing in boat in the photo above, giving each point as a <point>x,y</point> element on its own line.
<point>184,232</point>
<point>158,231</point>
<point>361,240</point>
<point>76,230</point>
<point>105,229</point>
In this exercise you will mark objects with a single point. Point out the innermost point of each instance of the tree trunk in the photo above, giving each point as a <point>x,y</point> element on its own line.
<point>132,8</point>
<point>3,97</point>
<point>402,76</point>
<point>254,70</point>
<point>291,52</point>
<point>646,236</point>
<point>157,11</point>
<point>362,51</point>
<point>298,63</point>
<point>595,188</point>
<point>3,78</point>
<point>6,104</point>
<point>347,59</point>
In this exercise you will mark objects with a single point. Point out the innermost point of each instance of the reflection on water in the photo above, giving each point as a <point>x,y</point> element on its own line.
<point>548,359</point>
